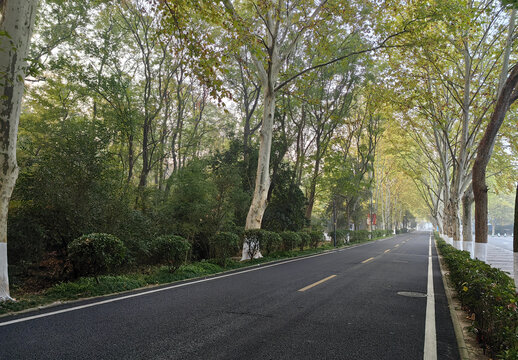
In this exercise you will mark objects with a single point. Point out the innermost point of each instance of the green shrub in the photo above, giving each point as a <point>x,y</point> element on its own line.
<point>171,250</point>
<point>359,235</point>
<point>270,241</point>
<point>290,239</point>
<point>304,239</point>
<point>315,238</point>
<point>381,233</point>
<point>224,245</point>
<point>490,295</point>
<point>341,236</point>
<point>96,253</point>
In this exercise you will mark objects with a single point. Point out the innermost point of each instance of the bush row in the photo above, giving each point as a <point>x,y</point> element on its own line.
<point>357,235</point>
<point>99,253</point>
<point>490,296</point>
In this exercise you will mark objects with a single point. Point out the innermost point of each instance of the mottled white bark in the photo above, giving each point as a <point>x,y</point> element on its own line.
<point>16,20</point>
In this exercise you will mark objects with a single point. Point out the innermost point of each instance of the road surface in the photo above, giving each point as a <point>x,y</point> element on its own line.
<point>338,305</point>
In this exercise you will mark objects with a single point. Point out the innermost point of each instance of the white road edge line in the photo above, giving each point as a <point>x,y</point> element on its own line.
<point>430,341</point>
<point>28,318</point>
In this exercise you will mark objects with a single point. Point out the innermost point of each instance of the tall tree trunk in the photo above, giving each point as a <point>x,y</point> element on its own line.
<point>485,148</point>
<point>262,180</point>
<point>505,97</point>
<point>313,185</point>
<point>467,238</point>
<point>515,231</point>
<point>17,21</point>
<point>145,155</point>
<point>131,158</point>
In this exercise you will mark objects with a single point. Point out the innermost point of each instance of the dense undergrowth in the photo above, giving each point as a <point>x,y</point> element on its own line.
<point>489,296</point>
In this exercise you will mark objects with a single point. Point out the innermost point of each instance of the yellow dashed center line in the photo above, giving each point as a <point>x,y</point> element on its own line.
<point>396,245</point>
<point>386,251</point>
<point>366,261</point>
<point>317,283</point>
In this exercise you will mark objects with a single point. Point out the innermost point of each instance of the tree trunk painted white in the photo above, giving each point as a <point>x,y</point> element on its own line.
<point>16,20</point>
<point>468,246</point>
<point>515,269</point>
<point>480,251</point>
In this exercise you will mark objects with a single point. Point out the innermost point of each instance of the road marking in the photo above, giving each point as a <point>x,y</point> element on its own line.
<point>430,341</point>
<point>317,283</point>
<point>386,251</point>
<point>396,245</point>
<point>366,261</point>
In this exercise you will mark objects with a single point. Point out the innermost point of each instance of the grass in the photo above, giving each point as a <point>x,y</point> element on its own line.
<point>111,284</point>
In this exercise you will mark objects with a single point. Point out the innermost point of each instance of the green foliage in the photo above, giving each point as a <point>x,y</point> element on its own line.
<point>96,253</point>
<point>341,236</point>
<point>69,184</point>
<point>290,239</point>
<point>270,242</point>
<point>286,206</point>
<point>225,245</point>
<point>171,250</point>
<point>359,236</point>
<point>316,238</point>
<point>304,239</point>
<point>490,295</point>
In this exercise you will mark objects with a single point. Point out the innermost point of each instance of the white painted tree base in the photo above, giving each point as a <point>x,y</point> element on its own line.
<point>4,278</point>
<point>468,246</point>
<point>457,244</point>
<point>246,256</point>
<point>480,251</point>
<point>515,270</point>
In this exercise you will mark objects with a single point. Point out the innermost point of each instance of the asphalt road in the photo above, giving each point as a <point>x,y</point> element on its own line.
<point>259,313</point>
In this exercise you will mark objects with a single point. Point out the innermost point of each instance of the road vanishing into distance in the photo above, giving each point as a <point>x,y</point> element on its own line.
<point>347,304</point>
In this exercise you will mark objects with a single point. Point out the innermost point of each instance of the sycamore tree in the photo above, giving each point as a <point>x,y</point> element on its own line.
<point>272,30</point>
<point>16,24</point>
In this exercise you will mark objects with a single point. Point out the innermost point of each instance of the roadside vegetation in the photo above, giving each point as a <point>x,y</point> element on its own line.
<point>489,297</point>
<point>105,280</point>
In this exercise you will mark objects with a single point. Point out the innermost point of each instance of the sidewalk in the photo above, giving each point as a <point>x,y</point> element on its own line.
<point>500,258</point>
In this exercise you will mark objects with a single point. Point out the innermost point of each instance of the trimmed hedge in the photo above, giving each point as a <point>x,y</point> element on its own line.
<point>224,245</point>
<point>290,239</point>
<point>96,253</point>
<point>270,242</point>
<point>170,249</point>
<point>356,236</point>
<point>316,238</point>
<point>304,239</point>
<point>490,295</point>
<point>381,233</point>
